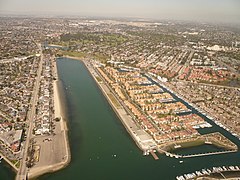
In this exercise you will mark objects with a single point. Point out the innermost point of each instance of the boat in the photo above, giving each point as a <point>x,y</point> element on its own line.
<point>145,153</point>
<point>208,142</point>
<point>180,161</point>
<point>209,171</point>
<point>177,146</point>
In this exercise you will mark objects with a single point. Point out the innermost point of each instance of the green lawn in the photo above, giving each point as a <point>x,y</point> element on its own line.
<point>114,101</point>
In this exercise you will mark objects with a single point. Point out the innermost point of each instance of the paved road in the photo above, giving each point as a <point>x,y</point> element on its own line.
<point>23,170</point>
<point>207,84</point>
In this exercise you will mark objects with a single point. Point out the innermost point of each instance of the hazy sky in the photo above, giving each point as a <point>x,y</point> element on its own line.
<point>213,10</point>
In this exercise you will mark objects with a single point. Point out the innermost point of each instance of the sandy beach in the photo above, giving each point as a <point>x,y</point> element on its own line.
<point>59,113</point>
<point>56,154</point>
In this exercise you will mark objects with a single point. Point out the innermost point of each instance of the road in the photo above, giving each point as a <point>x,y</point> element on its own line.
<point>23,169</point>
<point>208,84</point>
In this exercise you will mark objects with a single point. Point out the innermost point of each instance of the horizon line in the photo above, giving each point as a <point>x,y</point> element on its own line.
<point>118,17</point>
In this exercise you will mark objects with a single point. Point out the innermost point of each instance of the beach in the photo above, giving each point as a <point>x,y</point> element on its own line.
<point>54,154</point>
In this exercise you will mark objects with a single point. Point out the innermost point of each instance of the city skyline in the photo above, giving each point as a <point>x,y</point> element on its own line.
<point>208,11</point>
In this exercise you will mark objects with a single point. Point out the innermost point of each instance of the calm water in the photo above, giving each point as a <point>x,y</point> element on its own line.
<point>5,171</point>
<point>100,146</point>
<point>97,136</point>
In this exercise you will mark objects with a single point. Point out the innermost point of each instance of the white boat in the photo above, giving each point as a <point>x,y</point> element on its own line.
<point>177,146</point>
<point>145,153</point>
<point>208,142</point>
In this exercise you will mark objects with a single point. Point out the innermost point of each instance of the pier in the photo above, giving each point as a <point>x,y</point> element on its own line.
<point>194,155</point>
<point>208,172</point>
<point>207,154</point>
<point>169,154</point>
<point>154,155</point>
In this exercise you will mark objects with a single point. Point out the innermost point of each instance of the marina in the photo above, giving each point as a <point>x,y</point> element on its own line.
<point>207,172</point>
<point>143,165</point>
<point>210,122</point>
<point>85,142</point>
<point>119,91</point>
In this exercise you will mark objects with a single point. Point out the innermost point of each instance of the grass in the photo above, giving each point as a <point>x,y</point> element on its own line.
<point>18,164</point>
<point>114,101</point>
<point>74,54</point>
<point>98,56</point>
<point>98,78</point>
<point>101,57</point>
<point>188,144</point>
<point>201,141</point>
<point>110,39</point>
<point>197,142</point>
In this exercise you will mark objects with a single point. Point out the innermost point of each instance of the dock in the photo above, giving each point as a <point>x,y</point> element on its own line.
<point>208,154</point>
<point>154,155</point>
<point>207,172</point>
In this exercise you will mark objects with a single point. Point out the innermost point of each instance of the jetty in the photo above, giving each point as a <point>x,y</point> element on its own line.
<point>194,155</point>
<point>207,154</point>
<point>154,155</point>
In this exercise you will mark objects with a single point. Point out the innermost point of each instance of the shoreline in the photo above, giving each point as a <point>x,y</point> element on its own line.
<point>58,112</point>
<point>126,125</point>
<point>126,120</point>
<point>106,91</point>
<point>13,167</point>
<point>102,90</point>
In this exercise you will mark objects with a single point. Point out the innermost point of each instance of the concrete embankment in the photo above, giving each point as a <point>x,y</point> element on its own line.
<point>142,139</point>
<point>135,132</point>
<point>124,117</point>
<point>138,135</point>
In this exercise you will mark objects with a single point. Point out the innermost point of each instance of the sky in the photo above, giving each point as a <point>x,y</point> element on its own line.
<point>197,10</point>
